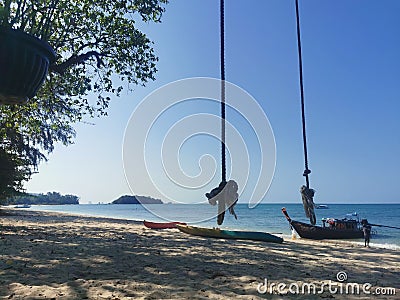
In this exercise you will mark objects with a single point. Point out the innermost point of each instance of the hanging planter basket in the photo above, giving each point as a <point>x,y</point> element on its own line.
<point>24,62</point>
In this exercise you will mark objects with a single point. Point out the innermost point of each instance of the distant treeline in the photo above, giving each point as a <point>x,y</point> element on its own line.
<point>136,200</point>
<point>43,199</point>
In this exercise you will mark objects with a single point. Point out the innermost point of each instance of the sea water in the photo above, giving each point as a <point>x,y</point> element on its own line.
<point>263,217</point>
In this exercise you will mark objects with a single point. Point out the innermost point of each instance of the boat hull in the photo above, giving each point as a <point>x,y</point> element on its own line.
<point>313,232</point>
<point>158,225</point>
<point>22,206</point>
<point>230,234</point>
<point>321,207</point>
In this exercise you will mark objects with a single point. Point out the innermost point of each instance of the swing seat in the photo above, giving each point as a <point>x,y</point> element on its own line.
<point>226,195</point>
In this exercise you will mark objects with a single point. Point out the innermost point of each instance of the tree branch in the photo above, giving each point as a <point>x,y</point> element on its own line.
<point>77,59</point>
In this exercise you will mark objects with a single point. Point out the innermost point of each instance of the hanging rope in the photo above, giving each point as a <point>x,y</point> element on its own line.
<point>223,105</point>
<point>226,194</point>
<point>303,115</point>
<point>307,194</point>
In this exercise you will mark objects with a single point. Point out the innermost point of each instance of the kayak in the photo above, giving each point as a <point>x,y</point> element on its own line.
<point>158,225</point>
<point>230,234</point>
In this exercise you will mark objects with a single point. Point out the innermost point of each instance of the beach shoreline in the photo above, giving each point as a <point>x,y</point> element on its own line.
<point>62,256</point>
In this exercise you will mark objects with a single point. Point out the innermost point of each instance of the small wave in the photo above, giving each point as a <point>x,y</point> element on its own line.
<point>386,246</point>
<point>382,246</point>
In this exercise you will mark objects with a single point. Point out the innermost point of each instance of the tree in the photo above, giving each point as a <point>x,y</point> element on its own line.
<point>13,172</point>
<point>100,52</point>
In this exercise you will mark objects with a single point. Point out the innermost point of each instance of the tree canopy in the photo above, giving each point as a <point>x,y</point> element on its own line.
<point>100,52</point>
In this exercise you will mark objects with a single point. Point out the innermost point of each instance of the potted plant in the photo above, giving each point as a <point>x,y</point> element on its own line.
<point>94,41</point>
<point>25,55</point>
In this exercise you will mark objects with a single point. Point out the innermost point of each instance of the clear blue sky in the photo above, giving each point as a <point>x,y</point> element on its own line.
<point>352,89</point>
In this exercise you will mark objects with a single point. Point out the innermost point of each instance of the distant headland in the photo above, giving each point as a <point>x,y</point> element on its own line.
<point>127,199</point>
<point>51,198</point>
<point>55,198</point>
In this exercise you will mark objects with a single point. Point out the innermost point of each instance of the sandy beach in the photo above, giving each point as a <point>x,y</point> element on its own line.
<point>58,256</point>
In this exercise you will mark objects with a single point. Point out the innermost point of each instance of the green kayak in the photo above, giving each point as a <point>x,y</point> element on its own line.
<point>230,234</point>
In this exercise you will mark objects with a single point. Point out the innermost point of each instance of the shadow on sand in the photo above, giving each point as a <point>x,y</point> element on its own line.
<point>97,258</point>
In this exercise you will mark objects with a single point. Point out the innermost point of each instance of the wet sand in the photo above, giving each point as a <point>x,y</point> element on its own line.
<point>58,256</point>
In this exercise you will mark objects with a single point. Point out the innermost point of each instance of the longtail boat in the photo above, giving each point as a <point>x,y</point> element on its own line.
<point>230,234</point>
<point>330,229</point>
<point>158,225</point>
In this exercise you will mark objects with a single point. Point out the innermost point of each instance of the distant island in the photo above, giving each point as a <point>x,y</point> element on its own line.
<point>51,198</point>
<point>126,199</point>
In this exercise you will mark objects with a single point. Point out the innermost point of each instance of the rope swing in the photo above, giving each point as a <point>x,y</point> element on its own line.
<point>307,194</point>
<point>226,194</point>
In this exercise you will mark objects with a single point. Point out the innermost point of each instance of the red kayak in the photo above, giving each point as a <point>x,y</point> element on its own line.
<point>156,225</point>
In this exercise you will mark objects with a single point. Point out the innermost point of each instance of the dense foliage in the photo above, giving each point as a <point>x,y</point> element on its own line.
<point>13,171</point>
<point>52,198</point>
<point>100,52</point>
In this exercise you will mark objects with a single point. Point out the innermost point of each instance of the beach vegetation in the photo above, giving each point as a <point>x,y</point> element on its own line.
<point>100,52</point>
<point>13,171</point>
